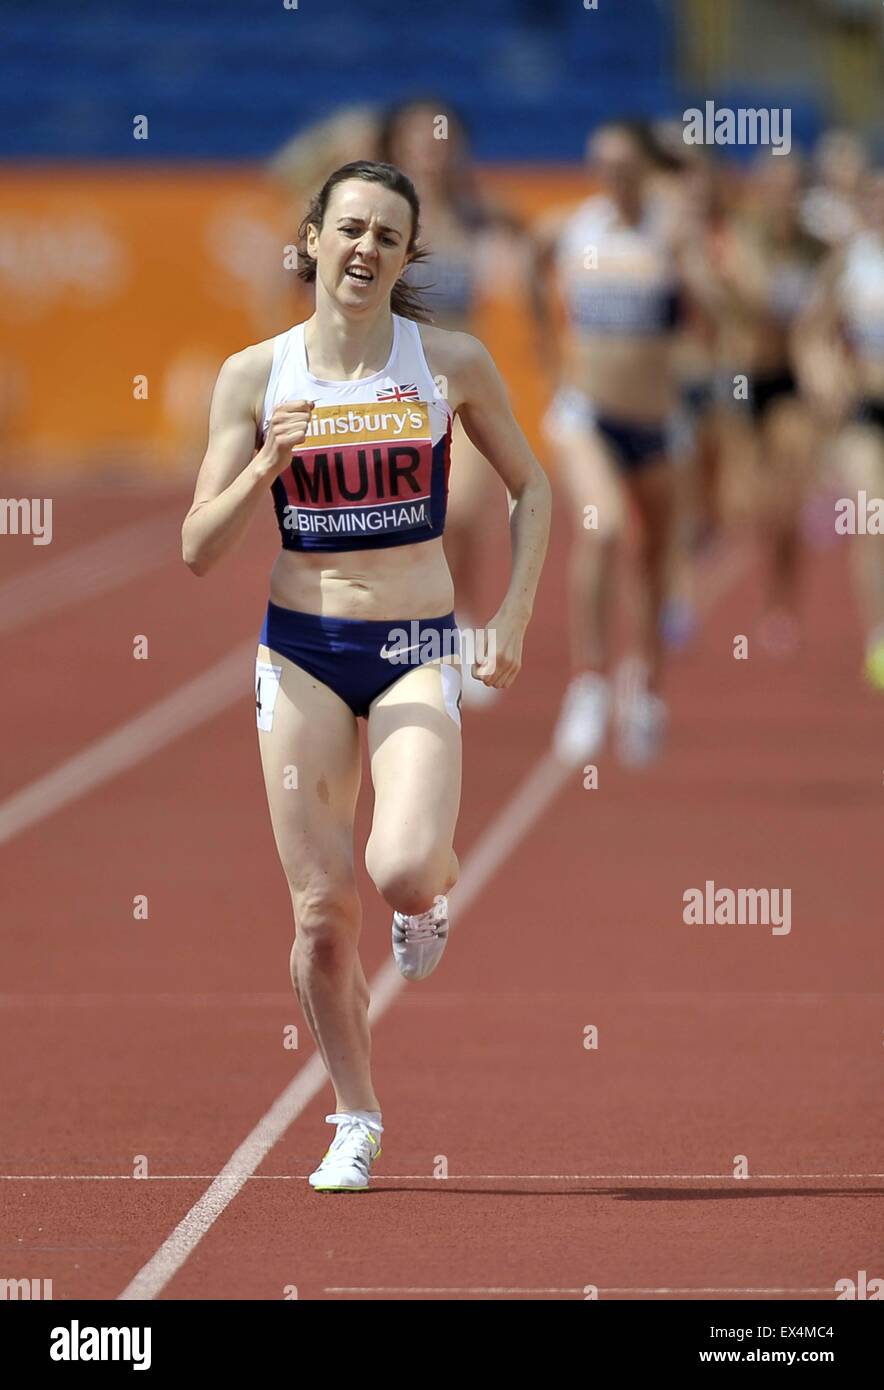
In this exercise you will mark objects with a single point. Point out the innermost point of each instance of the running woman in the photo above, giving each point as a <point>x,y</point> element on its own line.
<point>704,229</point>
<point>339,422</point>
<point>830,209</point>
<point>306,161</point>
<point>693,187</point>
<point>475,251</point>
<point>769,273</point>
<point>848,313</point>
<point>608,426</point>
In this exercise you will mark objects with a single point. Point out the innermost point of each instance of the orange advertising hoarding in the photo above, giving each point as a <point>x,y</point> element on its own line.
<point>123,290</point>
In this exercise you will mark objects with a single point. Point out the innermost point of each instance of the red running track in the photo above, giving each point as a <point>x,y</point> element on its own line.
<point>568,1168</point>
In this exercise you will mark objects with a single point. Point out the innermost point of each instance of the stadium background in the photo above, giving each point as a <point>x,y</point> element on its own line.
<point>157,257</point>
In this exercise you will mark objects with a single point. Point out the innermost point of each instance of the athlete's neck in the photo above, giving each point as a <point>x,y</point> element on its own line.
<point>630,209</point>
<point>435,195</point>
<point>340,348</point>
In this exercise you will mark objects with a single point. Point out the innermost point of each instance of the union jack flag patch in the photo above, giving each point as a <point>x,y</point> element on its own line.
<point>399,393</point>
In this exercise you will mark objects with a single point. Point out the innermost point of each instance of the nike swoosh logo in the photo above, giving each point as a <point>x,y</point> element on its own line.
<point>397,651</point>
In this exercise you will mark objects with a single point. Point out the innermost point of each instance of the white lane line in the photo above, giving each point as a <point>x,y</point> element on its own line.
<point>90,569</point>
<point>131,743</point>
<point>207,695</point>
<point>152,1278</point>
<point>519,815</point>
<point>524,808</point>
<point>115,1001</point>
<point>454,1177</point>
<point>539,789</point>
<point>676,998</point>
<point>390,1288</point>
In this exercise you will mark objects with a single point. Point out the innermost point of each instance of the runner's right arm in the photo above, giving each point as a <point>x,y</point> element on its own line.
<point>818,348</point>
<point>233,478</point>
<point>542,288</point>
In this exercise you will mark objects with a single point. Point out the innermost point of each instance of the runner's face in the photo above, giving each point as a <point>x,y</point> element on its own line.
<point>874,203</point>
<point>779,186</point>
<point>841,162</point>
<point>617,163</point>
<point>418,146</point>
<point>698,189</point>
<point>363,246</point>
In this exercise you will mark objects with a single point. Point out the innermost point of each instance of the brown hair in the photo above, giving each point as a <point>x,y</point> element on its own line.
<point>404,300</point>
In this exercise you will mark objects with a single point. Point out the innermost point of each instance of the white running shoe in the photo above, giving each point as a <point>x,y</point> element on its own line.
<point>583,721</point>
<point>641,727</point>
<point>418,941</point>
<point>346,1166</point>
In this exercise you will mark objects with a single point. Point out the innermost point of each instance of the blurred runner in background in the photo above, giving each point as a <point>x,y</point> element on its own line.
<point>768,272</point>
<point>693,187</point>
<point>304,163</point>
<point>613,263</point>
<point>842,363</point>
<point>830,209</point>
<point>474,247</point>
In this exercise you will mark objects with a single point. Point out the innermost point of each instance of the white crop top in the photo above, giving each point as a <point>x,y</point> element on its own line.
<point>373,470</point>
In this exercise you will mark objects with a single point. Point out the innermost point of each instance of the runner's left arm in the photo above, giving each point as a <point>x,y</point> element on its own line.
<point>484,410</point>
<point>818,348</point>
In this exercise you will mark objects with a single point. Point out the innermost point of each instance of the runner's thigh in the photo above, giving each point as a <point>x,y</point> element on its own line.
<point>312,768</point>
<point>860,457</point>
<point>415,747</point>
<point>589,476</point>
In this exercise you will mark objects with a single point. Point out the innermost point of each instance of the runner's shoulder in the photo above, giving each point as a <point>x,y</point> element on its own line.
<point>549,226</point>
<point>451,350</point>
<point>249,364</point>
<point>243,375</point>
<point>459,357</point>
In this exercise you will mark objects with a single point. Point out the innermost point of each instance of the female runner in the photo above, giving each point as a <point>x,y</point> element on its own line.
<point>843,364</point>
<point>475,246</point>
<point>768,274</point>
<point>338,419</point>
<point>703,227</point>
<point>609,424</point>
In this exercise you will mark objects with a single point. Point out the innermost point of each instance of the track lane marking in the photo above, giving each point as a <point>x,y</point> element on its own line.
<point>458,1177</point>
<point>608,1289</point>
<point>89,569</point>
<point>521,812</point>
<point>528,803</point>
<point>130,743</point>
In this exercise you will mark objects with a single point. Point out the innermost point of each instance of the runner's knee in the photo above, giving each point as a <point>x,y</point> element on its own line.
<point>653,549</point>
<point>327,919</point>
<point>410,879</point>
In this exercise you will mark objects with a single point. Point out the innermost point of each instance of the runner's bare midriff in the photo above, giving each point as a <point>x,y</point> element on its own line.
<point>625,378</point>
<point>769,348</point>
<point>407,581</point>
